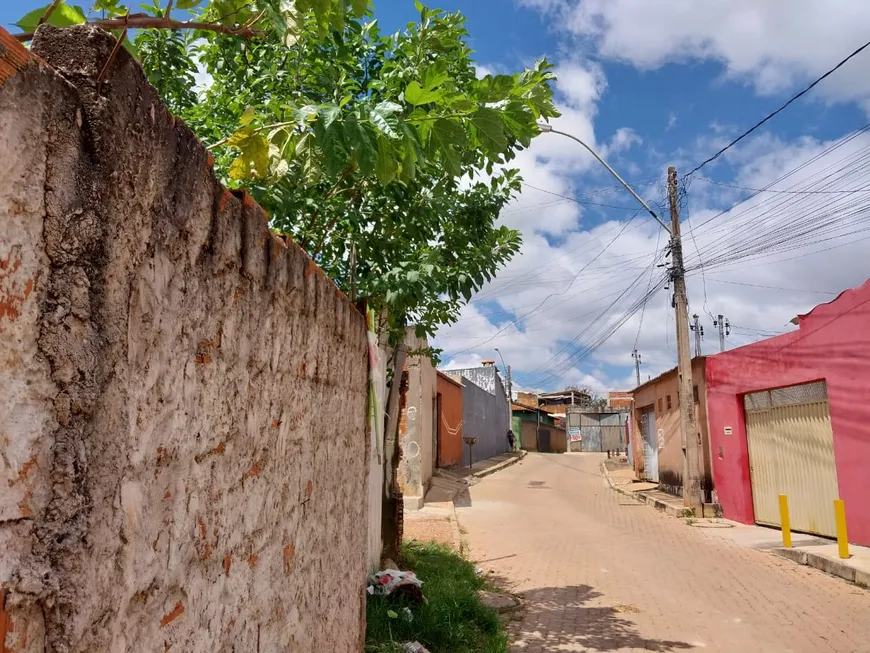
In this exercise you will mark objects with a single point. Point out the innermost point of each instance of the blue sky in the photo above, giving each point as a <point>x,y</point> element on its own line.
<point>650,85</point>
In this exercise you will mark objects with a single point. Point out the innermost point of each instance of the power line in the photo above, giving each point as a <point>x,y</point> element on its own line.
<point>755,285</point>
<point>771,115</point>
<point>648,286</point>
<point>525,315</point>
<point>576,201</point>
<point>784,192</point>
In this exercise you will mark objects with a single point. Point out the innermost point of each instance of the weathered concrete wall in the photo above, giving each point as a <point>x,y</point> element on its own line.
<point>656,393</point>
<point>485,417</point>
<point>376,458</point>
<point>171,479</point>
<point>417,425</point>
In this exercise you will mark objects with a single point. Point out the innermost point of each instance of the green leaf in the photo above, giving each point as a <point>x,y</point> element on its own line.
<point>392,615</point>
<point>330,113</point>
<point>519,122</point>
<point>462,103</point>
<point>359,8</point>
<point>386,166</point>
<point>331,140</point>
<point>452,161</point>
<point>109,6</point>
<point>384,121</point>
<point>490,129</point>
<point>305,115</point>
<point>247,116</point>
<point>493,89</point>
<point>361,142</point>
<point>63,16</point>
<point>416,95</point>
<point>446,133</point>
<point>435,75</point>
<point>187,4</point>
<point>306,153</point>
<point>388,107</point>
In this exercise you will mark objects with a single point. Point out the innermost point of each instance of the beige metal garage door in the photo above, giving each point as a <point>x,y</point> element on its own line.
<point>791,451</point>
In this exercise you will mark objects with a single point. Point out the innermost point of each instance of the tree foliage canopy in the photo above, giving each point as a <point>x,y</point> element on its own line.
<point>384,156</point>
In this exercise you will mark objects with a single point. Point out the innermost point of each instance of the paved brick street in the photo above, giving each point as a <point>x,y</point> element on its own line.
<point>600,572</point>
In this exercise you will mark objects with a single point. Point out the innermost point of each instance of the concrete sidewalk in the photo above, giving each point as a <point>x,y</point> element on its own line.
<point>811,550</point>
<point>620,477</point>
<point>447,484</point>
<point>826,557</point>
<point>436,520</point>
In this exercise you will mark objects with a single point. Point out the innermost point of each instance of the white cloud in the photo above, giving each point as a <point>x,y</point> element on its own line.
<point>532,346</point>
<point>624,139</point>
<point>773,44</point>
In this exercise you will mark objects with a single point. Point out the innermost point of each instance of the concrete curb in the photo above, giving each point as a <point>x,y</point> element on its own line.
<point>501,466</point>
<point>658,504</point>
<point>826,564</point>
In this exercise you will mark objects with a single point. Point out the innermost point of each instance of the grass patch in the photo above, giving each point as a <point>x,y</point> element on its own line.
<point>454,620</point>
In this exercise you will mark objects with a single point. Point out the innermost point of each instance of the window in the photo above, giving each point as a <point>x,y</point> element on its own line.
<point>669,402</point>
<point>660,404</point>
<point>695,393</point>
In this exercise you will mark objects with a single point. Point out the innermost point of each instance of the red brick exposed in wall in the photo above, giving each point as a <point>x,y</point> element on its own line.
<point>449,422</point>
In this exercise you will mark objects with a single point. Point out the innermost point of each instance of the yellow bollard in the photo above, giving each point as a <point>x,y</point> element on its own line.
<point>786,525</point>
<point>842,537</point>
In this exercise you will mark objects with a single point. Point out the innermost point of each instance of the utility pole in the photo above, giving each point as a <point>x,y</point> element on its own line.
<point>510,394</point>
<point>637,361</point>
<point>724,330</point>
<point>699,334</point>
<point>692,491</point>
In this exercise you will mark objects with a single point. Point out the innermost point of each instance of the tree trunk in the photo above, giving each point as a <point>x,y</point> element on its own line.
<point>391,513</point>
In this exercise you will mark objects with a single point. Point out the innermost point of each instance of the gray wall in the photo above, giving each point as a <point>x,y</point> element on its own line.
<point>485,417</point>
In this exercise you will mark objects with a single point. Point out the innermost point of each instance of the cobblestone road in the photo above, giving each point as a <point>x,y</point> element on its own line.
<point>599,572</point>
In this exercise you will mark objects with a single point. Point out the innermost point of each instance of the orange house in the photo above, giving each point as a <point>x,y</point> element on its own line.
<point>448,415</point>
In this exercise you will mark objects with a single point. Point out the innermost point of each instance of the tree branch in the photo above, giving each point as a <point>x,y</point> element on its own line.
<point>144,21</point>
<point>48,11</point>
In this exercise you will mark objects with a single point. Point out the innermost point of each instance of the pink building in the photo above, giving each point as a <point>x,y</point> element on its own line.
<point>791,415</point>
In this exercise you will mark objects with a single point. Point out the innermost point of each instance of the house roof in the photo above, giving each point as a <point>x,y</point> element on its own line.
<point>531,409</point>
<point>665,374</point>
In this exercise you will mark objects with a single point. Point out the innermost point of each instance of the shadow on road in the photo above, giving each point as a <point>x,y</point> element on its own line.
<point>560,619</point>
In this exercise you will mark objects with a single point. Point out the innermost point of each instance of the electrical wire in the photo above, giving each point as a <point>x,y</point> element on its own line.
<point>756,285</point>
<point>525,315</point>
<point>648,286</point>
<point>774,113</point>
<point>785,192</point>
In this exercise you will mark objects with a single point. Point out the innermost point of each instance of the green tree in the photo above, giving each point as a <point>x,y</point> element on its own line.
<point>384,156</point>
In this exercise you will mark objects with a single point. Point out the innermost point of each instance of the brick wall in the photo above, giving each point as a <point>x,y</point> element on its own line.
<point>171,480</point>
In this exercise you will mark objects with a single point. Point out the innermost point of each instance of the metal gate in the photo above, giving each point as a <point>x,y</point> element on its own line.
<point>603,431</point>
<point>791,452</point>
<point>650,444</point>
<point>590,428</point>
<point>544,441</point>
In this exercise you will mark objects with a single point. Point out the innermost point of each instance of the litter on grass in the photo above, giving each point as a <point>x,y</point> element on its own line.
<point>392,581</point>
